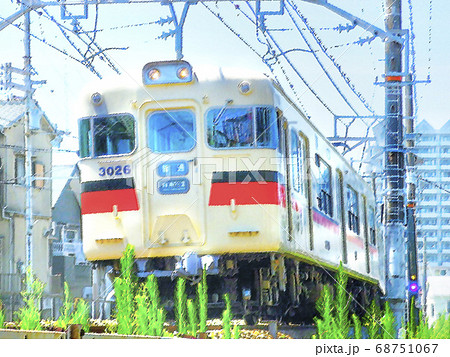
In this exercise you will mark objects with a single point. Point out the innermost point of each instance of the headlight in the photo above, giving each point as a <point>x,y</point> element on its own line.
<point>154,74</point>
<point>183,73</point>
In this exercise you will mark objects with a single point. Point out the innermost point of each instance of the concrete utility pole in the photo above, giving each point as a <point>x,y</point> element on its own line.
<point>27,132</point>
<point>394,168</point>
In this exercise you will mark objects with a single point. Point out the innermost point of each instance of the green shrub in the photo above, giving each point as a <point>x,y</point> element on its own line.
<point>141,316</point>
<point>236,331</point>
<point>227,316</point>
<point>342,304</point>
<point>202,296</point>
<point>193,319</point>
<point>66,309</point>
<point>372,321</point>
<point>2,315</point>
<point>29,316</point>
<point>388,323</point>
<point>80,314</point>
<point>180,306</point>
<point>124,287</point>
<point>357,327</point>
<point>325,324</point>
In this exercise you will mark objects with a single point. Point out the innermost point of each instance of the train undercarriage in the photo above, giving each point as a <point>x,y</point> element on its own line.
<point>266,286</point>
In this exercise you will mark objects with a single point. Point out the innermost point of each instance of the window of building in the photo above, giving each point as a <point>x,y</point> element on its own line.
<point>429,162</point>
<point>324,195</point>
<point>445,161</point>
<point>427,138</point>
<point>19,167</point>
<point>352,209</point>
<point>427,209</point>
<point>70,235</point>
<point>445,245</point>
<point>432,258</point>
<point>431,245</point>
<point>38,172</point>
<point>428,198</point>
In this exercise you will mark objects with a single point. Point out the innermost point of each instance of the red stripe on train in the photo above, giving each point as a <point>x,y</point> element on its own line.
<point>103,201</point>
<point>247,193</point>
<point>324,221</point>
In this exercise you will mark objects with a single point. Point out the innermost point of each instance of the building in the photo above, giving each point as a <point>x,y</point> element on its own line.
<point>438,297</point>
<point>433,198</point>
<point>68,261</point>
<point>13,192</point>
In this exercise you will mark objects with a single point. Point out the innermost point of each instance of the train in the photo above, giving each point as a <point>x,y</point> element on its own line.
<point>219,170</point>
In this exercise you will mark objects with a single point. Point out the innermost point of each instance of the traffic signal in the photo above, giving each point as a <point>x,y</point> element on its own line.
<point>413,286</point>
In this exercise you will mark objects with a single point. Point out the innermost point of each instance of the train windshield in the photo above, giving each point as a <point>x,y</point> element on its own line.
<point>242,127</point>
<point>107,135</point>
<point>171,131</point>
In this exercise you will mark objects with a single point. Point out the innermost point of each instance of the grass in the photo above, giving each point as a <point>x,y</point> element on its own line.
<point>333,321</point>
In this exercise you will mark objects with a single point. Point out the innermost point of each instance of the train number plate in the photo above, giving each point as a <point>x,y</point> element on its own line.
<point>114,170</point>
<point>173,186</point>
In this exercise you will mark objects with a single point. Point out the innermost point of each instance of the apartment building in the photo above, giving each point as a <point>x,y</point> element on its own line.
<point>13,191</point>
<point>433,198</point>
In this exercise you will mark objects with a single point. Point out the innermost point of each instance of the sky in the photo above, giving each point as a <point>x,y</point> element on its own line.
<point>132,31</point>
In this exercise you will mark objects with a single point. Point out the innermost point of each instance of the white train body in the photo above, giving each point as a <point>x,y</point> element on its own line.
<point>179,165</point>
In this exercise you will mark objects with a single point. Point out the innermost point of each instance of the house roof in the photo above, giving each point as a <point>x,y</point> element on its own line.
<point>11,111</point>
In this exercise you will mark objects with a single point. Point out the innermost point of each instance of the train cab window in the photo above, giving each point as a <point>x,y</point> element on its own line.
<point>372,232</point>
<point>242,127</point>
<point>324,196</point>
<point>352,209</point>
<point>171,131</point>
<point>297,160</point>
<point>113,135</point>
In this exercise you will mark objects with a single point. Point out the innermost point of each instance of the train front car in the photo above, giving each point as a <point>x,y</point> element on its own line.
<point>198,172</point>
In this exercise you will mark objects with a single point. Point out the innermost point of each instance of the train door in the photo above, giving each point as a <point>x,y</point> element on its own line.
<point>366,234</point>
<point>285,157</point>
<point>299,191</point>
<point>308,189</point>
<point>341,212</point>
<point>174,200</point>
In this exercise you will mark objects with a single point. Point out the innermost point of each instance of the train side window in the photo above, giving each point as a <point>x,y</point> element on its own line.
<point>297,162</point>
<point>352,209</point>
<point>171,131</point>
<point>110,135</point>
<point>85,137</point>
<point>372,232</point>
<point>324,196</point>
<point>239,127</point>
